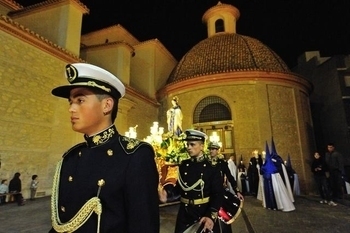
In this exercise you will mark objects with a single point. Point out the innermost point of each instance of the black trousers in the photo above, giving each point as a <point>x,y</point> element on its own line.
<point>323,187</point>
<point>2,200</point>
<point>18,198</point>
<point>337,184</point>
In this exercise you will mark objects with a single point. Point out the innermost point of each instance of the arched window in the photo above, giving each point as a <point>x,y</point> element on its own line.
<point>219,25</point>
<point>212,108</point>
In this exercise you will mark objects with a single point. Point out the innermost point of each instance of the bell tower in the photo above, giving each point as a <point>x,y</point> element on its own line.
<point>221,18</point>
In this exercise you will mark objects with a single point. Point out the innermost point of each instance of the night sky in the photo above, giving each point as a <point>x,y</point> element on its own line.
<point>289,27</point>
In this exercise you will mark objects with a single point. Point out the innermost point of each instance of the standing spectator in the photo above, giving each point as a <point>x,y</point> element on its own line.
<point>33,187</point>
<point>319,169</point>
<point>4,188</point>
<point>200,186</point>
<point>335,163</point>
<point>109,183</point>
<point>15,187</point>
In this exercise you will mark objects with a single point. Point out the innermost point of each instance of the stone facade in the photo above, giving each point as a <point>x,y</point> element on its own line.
<point>35,125</point>
<point>259,110</point>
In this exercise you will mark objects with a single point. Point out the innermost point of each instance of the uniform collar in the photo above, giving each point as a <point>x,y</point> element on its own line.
<point>199,158</point>
<point>101,137</point>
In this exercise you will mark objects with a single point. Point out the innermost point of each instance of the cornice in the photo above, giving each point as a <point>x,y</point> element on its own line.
<point>233,78</point>
<point>110,44</point>
<point>12,4</point>
<point>44,5</point>
<point>112,29</point>
<point>26,35</point>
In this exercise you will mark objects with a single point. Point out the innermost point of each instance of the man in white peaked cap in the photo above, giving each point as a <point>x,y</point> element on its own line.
<point>200,187</point>
<point>109,182</point>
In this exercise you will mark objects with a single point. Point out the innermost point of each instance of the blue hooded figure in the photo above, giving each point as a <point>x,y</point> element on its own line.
<point>267,169</point>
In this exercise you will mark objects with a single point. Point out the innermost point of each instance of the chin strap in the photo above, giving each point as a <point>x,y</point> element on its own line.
<point>92,205</point>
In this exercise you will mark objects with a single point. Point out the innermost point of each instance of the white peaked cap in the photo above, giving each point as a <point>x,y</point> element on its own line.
<point>87,75</point>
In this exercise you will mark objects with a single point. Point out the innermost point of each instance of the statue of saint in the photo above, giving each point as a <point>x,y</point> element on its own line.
<point>174,117</point>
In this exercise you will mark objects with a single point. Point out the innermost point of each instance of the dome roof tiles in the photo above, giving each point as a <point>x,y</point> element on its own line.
<point>227,52</point>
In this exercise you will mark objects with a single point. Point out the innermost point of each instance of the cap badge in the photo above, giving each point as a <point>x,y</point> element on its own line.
<point>71,73</point>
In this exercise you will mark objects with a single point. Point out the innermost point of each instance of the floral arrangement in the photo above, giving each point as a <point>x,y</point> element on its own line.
<point>172,149</point>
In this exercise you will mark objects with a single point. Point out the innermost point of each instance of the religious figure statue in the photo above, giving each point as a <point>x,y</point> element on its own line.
<point>174,117</point>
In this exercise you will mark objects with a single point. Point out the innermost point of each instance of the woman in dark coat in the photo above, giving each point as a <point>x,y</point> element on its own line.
<point>15,187</point>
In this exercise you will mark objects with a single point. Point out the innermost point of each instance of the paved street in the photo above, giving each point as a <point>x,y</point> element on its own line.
<point>310,216</point>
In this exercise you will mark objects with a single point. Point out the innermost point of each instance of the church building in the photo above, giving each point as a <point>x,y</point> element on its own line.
<point>229,85</point>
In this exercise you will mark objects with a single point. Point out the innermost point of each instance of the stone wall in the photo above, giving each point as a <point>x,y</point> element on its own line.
<point>35,127</point>
<point>259,111</point>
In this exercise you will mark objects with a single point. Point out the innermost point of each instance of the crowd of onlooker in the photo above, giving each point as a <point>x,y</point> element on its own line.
<point>12,191</point>
<point>330,176</point>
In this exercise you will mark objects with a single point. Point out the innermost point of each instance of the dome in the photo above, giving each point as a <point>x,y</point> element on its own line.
<point>227,52</point>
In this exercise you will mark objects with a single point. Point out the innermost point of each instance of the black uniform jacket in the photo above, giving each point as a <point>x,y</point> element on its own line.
<point>223,166</point>
<point>129,197</point>
<point>190,171</point>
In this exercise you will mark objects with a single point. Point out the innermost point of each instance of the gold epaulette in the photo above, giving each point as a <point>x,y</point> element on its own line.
<point>130,145</point>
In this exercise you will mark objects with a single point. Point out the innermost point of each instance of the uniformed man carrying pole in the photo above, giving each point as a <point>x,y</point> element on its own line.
<point>214,148</point>
<point>200,186</point>
<point>109,182</point>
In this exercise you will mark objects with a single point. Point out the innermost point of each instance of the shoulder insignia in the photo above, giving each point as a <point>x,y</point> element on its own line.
<point>74,148</point>
<point>130,145</point>
<point>222,161</point>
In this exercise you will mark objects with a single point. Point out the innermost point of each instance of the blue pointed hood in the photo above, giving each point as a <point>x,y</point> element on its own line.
<point>273,147</point>
<point>268,167</point>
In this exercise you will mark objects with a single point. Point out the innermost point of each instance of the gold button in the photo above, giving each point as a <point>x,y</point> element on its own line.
<point>185,173</point>
<point>187,164</point>
<point>204,165</point>
<point>101,182</point>
<point>109,152</point>
<point>70,178</point>
<point>79,153</point>
<point>63,209</point>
